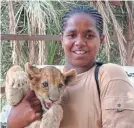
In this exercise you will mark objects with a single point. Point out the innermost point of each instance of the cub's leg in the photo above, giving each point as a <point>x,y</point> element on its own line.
<point>16,85</point>
<point>52,118</point>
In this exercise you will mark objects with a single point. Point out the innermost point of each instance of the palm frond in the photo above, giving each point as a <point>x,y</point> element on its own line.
<point>106,20</point>
<point>119,33</point>
<point>16,53</point>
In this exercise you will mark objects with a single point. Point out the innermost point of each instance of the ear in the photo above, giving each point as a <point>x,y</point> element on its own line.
<point>102,39</point>
<point>32,71</point>
<point>61,39</point>
<point>69,76</point>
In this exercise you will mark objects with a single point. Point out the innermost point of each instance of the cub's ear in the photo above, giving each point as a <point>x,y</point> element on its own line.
<point>69,76</point>
<point>32,71</point>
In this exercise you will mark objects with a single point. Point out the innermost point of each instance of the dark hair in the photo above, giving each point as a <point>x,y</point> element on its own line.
<point>84,9</point>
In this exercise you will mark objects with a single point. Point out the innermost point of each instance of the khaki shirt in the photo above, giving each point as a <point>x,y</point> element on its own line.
<point>81,105</point>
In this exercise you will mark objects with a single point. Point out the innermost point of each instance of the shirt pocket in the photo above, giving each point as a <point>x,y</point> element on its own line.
<point>118,112</point>
<point>118,104</point>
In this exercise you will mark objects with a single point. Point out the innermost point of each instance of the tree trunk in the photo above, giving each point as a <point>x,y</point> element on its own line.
<point>16,53</point>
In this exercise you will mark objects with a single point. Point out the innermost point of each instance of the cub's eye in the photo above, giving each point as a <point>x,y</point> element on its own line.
<point>60,85</point>
<point>45,84</point>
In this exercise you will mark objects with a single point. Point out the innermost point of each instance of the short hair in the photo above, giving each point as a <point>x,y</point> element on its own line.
<point>93,12</point>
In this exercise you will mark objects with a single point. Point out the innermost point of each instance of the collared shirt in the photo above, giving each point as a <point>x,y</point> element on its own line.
<point>83,109</point>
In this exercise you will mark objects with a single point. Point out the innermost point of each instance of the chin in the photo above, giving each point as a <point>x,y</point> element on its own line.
<point>80,64</point>
<point>83,63</point>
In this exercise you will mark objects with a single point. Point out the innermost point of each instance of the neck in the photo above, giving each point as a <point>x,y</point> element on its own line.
<point>79,69</point>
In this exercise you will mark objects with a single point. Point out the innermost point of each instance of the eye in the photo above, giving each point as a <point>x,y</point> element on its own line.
<point>60,85</point>
<point>72,35</point>
<point>45,84</point>
<point>89,36</point>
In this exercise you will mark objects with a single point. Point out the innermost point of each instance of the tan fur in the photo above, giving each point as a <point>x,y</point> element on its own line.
<point>48,84</point>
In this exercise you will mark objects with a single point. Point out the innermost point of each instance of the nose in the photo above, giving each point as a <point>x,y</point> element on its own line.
<point>52,100</point>
<point>53,94</point>
<point>80,41</point>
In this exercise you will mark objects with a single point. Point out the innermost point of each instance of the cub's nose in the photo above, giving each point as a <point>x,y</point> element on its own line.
<point>54,97</point>
<point>52,100</point>
<point>54,94</point>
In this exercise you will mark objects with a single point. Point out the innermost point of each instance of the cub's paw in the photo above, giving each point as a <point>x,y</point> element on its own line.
<point>16,77</point>
<point>16,86</point>
<point>18,80</point>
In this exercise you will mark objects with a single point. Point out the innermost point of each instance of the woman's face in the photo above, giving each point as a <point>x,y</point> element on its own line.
<point>81,40</point>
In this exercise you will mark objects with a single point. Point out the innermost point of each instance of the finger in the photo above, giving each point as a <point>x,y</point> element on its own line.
<point>35,116</point>
<point>38,109</point>
<point>34,99</point>
<point>30,94</point>
<point>35,103</point>
<point>38,115</point>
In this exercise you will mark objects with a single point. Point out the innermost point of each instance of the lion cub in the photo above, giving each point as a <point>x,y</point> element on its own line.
<point>48,84</point>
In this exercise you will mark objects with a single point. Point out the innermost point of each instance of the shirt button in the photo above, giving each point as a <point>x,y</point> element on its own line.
<point>119,108</point>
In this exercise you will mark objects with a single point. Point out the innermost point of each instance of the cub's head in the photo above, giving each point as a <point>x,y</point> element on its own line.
<point>48,83</point>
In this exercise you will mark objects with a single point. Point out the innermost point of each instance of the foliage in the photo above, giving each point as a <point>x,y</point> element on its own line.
<point>6,60</point>
<point>44,17</point>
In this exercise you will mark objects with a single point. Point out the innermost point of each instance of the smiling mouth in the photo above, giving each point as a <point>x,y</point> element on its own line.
<point>80,52</point>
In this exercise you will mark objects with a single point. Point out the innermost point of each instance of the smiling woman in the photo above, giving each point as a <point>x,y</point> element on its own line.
<point>82,105</point>
<point>82,36</point>
<point>81,39</point>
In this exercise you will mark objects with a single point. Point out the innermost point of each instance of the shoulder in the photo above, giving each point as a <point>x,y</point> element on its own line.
<point>112,67</point>
<point>113,71</point>
<point>114,81</point>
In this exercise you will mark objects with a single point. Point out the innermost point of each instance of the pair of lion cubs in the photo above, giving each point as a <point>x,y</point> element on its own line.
<point>48,84</point>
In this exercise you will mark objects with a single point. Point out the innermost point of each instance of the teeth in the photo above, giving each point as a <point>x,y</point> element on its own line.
<point>80,52</point>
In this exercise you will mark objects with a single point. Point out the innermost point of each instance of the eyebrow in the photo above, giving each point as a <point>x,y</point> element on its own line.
<point>71,31</point>
<point>89,30</point>
<point>74,30</point>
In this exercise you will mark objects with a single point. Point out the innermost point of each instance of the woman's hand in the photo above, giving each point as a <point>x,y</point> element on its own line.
<point>27,111</point>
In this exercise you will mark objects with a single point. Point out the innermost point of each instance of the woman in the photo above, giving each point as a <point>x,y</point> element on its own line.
<point>81,39</point>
